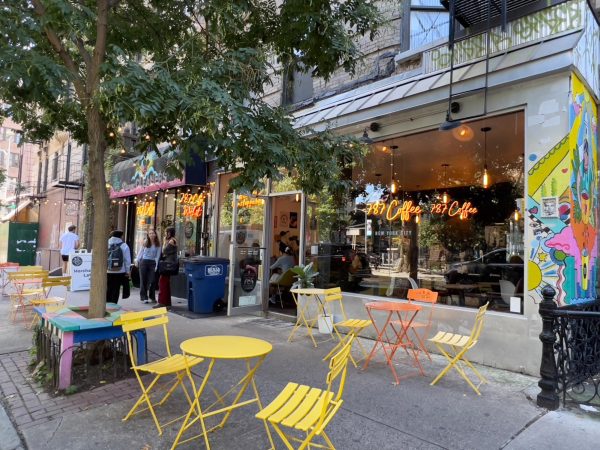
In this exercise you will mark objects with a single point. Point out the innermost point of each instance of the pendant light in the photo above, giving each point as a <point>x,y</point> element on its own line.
<point>485,182</point>
<point>516,215</point>
<point>445,196</point>
<point>393,184</point>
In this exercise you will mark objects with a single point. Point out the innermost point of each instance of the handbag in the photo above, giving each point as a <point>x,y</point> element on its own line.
<point>168,267</point>
<point>135,276</point>
<point>126,287</point>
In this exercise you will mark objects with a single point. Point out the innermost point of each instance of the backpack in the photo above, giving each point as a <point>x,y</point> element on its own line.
<point>115,257</point>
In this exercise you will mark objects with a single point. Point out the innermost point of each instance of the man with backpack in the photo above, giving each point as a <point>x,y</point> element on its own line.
<point>119,263</point>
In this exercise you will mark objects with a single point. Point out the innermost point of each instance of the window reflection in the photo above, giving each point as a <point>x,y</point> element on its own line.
<point>421,216</point>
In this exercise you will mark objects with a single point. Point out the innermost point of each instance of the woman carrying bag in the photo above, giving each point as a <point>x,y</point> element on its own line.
<point>167,266</point>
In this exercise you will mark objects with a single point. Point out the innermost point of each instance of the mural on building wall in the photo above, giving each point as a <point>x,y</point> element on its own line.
<point>564,249</point>
<point>586,55</point>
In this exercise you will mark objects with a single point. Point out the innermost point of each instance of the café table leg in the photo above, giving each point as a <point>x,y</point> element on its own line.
<point>195,406</point>
<point>302,319</point>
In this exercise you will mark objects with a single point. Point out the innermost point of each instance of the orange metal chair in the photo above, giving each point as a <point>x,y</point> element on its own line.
<point>426,296</point>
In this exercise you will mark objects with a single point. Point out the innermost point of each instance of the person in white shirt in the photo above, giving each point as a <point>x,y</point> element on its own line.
<point>68,242</point>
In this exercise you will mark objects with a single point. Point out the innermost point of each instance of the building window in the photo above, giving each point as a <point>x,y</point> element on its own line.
<point>14,160</point>
<point>429,221</point>
<point>2,159</point>
<point>54,172</point>
<point>297,87</point>
<point>429,22</point>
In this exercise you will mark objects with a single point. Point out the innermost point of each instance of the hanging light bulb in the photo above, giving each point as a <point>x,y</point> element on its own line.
<point>445,196</point>
<point>516,215</point>
<point>486,179</point>
<point>485,182</point>
<point>418,218</point>
<point>297,197</point>
<point>393,184</point>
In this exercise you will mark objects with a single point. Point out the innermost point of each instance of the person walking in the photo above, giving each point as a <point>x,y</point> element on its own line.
<point>69,241</point>
<point>168,265</point>
<point>119,264</point>
<point>147,262</point>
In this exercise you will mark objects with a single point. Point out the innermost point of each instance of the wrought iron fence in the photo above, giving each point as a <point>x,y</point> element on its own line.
<point>571,352</point>
<point>105,360</point>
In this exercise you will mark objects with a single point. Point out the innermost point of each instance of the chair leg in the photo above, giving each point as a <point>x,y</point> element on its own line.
<point>146,398</point>
<point>283,437</point>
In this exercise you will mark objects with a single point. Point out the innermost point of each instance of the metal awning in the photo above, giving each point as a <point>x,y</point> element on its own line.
<point>360,105</point>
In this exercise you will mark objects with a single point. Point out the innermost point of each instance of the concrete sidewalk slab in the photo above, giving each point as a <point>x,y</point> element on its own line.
<point>376,414</point>
<point>560,430</point>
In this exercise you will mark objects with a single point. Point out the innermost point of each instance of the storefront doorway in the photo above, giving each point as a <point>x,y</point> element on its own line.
<point>255,231</point>
<point>286,219</point>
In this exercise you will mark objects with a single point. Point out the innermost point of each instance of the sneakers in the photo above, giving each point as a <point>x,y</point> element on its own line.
<point>272,301</point>
<point>152,300</point>
<point>146,301</point>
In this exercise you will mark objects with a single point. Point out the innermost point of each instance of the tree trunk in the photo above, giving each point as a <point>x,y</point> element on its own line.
<point>100,205</point>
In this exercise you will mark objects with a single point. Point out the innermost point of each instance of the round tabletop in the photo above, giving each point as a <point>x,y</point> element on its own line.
<point>393,306</point>
<point>226,347</point>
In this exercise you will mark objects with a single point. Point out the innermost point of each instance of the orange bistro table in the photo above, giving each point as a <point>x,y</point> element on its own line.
<point>252,351</point>
<point>393,333</point>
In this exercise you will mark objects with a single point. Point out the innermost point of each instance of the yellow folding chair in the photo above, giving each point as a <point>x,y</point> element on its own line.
<point>172,364</point>
<point>50,303</point>
<point>455,346</point>
<point>353,327</point>
<point>306,409</point>
<point>51,282</point>
<point>24,269</point>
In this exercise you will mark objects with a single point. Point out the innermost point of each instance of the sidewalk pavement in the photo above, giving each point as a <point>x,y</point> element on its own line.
<point>375,415</point>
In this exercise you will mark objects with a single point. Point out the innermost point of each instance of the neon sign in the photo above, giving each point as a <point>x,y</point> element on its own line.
<point>249,202</point>
<point>146,209</point>
<point>192,204</point>
<point>396,210</point>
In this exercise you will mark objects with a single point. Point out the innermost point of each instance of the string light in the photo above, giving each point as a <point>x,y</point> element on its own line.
<point>418,218</point>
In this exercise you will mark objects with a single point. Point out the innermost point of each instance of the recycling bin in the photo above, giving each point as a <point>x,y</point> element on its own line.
<point>206,283</point>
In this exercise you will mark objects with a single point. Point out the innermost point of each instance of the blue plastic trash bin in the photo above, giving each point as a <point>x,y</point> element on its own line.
<point>206,283</point>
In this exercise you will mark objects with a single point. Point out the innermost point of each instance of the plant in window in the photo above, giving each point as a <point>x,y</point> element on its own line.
<point>305,276</point>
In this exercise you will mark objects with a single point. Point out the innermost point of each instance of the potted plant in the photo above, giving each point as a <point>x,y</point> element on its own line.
<point>305,277</point>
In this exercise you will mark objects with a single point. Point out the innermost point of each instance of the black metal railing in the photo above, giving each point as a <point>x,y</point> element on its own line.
<point>571,352</point>
<point>93,362</point>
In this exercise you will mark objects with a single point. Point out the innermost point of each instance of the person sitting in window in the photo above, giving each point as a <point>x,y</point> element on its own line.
<point>283,263</point>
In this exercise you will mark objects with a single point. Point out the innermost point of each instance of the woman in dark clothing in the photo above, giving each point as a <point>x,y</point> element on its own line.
<point>169,256</point>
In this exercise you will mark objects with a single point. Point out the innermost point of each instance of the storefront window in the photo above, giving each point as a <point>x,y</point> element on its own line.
<point>422,214</point>
<point>145,213</point>
<point>190,215</point>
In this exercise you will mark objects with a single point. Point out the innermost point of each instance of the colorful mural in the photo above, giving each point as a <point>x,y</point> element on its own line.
<point>563,207</point>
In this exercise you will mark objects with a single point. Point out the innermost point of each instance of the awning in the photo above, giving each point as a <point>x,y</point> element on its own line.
<point>472,12</point>
<point>400,94</point>
<point>16,211</point>
<point>148,173</point>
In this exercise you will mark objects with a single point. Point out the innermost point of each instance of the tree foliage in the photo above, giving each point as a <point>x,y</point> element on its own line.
<point>191,73</point>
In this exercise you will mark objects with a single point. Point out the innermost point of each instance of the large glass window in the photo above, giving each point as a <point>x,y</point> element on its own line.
<point>422,215</point>
<point>429,22</point>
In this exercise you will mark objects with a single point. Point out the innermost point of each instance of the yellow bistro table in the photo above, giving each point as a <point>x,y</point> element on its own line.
<point>214,348</point>
<point>318,295</point>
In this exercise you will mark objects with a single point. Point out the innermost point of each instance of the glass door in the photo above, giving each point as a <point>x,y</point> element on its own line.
<point>247,254</point>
